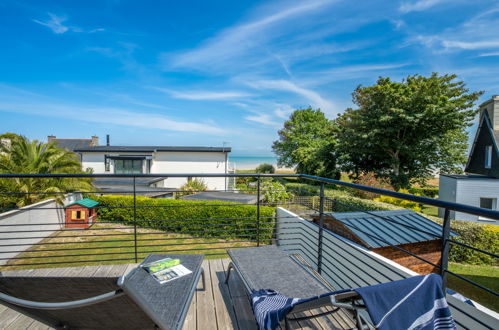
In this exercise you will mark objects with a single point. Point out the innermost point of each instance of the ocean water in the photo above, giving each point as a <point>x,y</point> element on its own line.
<point>250,162</point>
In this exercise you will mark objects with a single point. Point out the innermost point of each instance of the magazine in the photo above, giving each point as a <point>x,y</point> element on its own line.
<point>166,270</point>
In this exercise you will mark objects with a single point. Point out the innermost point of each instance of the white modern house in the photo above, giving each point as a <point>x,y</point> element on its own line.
<point>159,160</point>
<point>480,186</point>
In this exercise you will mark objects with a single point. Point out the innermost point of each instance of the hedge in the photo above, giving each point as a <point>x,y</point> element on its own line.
<point>181,216</point>
<point>430,192</point>
<point>342,200</point>
<point>479,235</point>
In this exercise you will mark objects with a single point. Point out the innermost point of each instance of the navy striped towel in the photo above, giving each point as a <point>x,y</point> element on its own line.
<point>270,307</point>
<point>414,303</point>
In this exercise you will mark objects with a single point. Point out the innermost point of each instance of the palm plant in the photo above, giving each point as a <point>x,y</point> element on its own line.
<point>34,157</point>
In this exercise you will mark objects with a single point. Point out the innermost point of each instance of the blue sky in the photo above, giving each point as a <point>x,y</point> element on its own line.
<point>208,72</point>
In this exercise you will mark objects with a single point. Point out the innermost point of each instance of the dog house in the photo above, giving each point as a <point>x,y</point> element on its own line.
<point>81,214</point>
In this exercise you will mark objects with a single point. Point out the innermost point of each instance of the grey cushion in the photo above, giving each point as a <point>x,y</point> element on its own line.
<point>270,268</point>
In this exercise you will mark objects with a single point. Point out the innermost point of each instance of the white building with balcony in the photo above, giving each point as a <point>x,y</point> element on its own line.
<point>159,160</point>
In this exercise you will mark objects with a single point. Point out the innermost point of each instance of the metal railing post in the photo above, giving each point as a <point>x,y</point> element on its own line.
<point>444,261</point>
<point>321,229</point>
<point>258,212</point>
<point>135,219</point>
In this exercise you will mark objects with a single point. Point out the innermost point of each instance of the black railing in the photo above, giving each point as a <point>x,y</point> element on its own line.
<point>132,237</point>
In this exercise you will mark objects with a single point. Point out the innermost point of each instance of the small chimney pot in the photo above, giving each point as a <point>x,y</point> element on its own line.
<point>95,141</point>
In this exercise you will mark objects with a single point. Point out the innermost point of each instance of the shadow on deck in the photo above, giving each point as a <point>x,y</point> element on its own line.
<point>217,307</point>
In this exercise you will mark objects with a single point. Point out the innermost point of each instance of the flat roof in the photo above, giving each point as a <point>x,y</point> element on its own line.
<point>393,227</point>
<point>469,176</point>
<point>222,196</point>
<point>152,149</point>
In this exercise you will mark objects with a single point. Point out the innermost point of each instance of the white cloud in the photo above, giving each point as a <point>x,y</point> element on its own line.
<point>54,23</point>
<point>234,41</point>
<point>420,5</point>
<point>475,33</point>
<point>203,95</point>
<point>285,85</point>
<point>114,116</point>
<point>470,44</point>
<point>489,54</point>
<point>283,112</point>
<point>262,118</point>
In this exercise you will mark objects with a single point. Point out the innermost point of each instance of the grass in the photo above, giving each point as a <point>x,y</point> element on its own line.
<point>115,246</point>
<point>488,276</point>
<point>430,210</point>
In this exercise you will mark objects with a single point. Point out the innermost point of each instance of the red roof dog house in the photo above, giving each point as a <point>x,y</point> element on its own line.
<point>81,214</point>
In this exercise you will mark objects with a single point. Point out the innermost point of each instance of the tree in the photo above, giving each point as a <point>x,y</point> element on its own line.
<point>405,131</point>
<point>34,157</point>
<point>265,168</point>
<point>307,141</point>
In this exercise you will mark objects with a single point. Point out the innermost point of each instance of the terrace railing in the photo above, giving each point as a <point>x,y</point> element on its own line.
<point>128,231</point>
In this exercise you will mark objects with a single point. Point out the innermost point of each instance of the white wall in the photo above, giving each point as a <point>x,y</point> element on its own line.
<point>170,162</point>
<point>190,162</point>
<point>94,160</point>
<point>468,191</point>
<point>41,219</point>
<point>446,192</point>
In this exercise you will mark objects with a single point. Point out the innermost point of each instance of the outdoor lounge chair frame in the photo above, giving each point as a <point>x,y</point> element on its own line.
<point>347,300</point>
<point>34,309</point>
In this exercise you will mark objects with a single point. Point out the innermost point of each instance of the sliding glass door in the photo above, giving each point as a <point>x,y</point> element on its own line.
<point>128,166</point>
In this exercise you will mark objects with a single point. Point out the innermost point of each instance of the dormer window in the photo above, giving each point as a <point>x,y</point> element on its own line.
<point>488,156</point>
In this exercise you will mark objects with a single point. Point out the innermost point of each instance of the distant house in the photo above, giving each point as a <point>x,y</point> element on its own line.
<point>73,144</point>
<point>158,160</point>
<point>379,230</point>
<point>480,186</point>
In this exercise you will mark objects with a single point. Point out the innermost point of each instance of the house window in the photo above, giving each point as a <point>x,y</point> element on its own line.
<point>107,163</point>
<point>488,203</point>
<point>128,166</point>
<point>76,215</point>
<point>488,156</point>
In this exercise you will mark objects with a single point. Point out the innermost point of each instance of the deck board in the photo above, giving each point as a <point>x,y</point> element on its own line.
<point>218,306</point>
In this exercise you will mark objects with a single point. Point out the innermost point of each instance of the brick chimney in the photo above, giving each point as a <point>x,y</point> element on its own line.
<point>492,107</point>
<point>51,138</point>
<point>95,141</point>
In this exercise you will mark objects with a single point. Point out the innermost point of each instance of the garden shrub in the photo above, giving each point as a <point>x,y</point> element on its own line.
<point>163,214</point>
<point>430,192</point>
<point>274,192</point>
<point>400,202</point>
<point>191,187</point>
<point>345,202</point>
<point>342,200</point>
<point>479,235</point>
<point>370,179</point>
<point>265,168</point>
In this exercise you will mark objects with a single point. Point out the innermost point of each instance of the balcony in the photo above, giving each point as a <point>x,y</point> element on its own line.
<point>35,242</point>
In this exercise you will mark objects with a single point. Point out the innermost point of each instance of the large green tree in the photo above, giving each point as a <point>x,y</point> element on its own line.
<point>34,157</point>
<point>307,141</point>
<point>407,130</point>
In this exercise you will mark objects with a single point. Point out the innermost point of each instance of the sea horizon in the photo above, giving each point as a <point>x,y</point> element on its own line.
<point>251,162</point>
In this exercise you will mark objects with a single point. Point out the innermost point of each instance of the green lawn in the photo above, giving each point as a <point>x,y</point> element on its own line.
<point>430,210</point>
<point>487,276</point>
<point>77,245</point>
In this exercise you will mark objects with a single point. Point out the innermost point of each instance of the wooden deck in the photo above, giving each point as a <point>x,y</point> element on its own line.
<point>218,306</point>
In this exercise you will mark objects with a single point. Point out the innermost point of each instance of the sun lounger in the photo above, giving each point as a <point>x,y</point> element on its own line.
<point>278,286</point>
<point>136,301</point>
<point>270,268</point>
